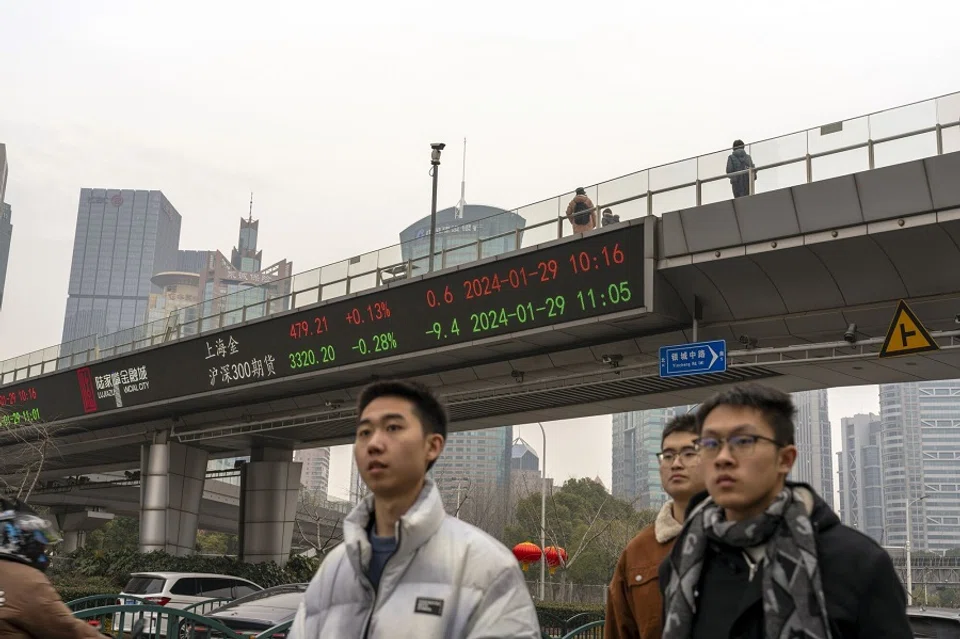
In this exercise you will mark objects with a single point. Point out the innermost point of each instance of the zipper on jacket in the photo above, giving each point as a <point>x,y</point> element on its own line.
<point>376,592</point>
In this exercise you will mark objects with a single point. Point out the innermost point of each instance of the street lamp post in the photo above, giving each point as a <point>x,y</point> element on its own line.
<point>909,544</point>
<point>543,511</point>
<point>434,171</point>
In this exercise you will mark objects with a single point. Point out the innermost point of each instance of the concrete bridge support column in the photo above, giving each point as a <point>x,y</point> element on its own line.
<point>269,487</point>
<point>171,488</point>
<point>76,524</point>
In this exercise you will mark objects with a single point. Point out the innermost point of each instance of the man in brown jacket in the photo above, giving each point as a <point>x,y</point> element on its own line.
<point>634,606</point>
<point>29,606</point>
<point>581,212</point>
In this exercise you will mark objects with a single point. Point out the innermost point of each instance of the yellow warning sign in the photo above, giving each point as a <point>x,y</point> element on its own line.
<point>906,335</point>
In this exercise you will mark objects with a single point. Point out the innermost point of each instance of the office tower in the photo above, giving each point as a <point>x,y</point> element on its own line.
<point>315,476</point>
<point>358,489</point>
<point>122,239</point>
<point>458,230</point>
<point>814,463</point>
<point>636,442</point>
<point>920,446</point>
<point>6,236</point>
<point>6,221</point>
<point>860,474</point>
<point>475,466</point>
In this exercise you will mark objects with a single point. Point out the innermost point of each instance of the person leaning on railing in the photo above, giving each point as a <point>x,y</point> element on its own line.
<point>30,608</point>
<point>581,212</point>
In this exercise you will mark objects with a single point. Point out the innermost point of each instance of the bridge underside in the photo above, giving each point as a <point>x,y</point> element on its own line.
<point>788,269</point>
<point>218,512</point>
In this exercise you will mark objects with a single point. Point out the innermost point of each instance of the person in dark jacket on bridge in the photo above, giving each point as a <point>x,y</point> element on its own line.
<point>738,161</point>
<point>763,558</point>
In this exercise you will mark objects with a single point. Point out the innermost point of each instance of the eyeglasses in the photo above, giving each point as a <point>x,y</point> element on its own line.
<point>687,454</point>
<point>740,445</point>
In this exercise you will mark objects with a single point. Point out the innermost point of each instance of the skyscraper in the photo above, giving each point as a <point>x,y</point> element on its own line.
<point>814,463</point>
<point>316,470</point>
<point>123,238</point>
<point>6,236</point>
<point>860,474</point>
<point>636,442</point>
<point>6,224</point>
<point>921,463</point>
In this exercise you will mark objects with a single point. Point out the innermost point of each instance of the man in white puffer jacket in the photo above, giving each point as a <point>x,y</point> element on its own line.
<point>406,568</point>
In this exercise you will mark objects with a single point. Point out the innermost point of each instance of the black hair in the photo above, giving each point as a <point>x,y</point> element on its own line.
<point>686,423</point>
<point>581,190</point>
<point>426,406</point>
<point>775,406</point>
<point>737,144</point>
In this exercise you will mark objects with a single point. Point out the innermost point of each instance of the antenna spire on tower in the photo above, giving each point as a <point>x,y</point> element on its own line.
<point>250,219</point>
<point>463,183</point>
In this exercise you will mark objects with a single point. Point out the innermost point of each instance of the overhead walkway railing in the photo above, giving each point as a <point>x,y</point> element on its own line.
<point>902,134</point>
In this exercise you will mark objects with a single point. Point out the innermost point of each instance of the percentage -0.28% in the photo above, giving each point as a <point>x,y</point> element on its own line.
<point>381,343</point>
<point>374,313</point>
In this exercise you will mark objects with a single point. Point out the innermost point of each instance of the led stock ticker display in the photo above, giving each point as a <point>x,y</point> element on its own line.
<point>595,275</point>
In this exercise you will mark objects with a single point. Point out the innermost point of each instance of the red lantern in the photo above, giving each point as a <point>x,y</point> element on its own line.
<point>555,557</point>
<point>527,553</point>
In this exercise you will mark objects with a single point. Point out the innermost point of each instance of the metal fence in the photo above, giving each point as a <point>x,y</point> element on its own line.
<point>893,136</point>
<point>557,592</point>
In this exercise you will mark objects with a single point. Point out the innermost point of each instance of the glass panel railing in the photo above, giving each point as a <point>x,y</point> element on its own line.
<point>903,120</point>
<point>900,150</point>
<point>901,134</point>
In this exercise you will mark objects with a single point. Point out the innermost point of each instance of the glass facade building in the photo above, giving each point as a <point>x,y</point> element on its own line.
<point>123,238</point>
<point>814,463</point>
<point>861,475</point>
<point>921,463</point>
<point>6,237</point>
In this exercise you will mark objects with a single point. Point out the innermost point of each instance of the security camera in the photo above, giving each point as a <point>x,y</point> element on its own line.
<point>749,342</point>
<point>438,146</point>
<point>435,154</point>
<point>850,335</point>
<point>612,360</point>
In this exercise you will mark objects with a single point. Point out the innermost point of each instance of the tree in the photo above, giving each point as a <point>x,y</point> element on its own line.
<point>36,443</point>
<point>586,521</point>
<point>327,523</point>
<point>217,543</point>
<point>120,533</point>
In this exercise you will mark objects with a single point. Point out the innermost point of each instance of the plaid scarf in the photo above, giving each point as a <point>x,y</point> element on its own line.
<point>793,601</point>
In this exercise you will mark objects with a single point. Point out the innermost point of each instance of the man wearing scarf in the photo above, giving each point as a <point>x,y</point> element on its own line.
<point>763,558</point>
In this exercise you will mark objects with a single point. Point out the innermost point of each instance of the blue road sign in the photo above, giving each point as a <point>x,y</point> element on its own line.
<point>693,359</point>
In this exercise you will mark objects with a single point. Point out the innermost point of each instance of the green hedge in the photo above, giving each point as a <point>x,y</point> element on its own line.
<point>567,610</point>
<point>113,569</point>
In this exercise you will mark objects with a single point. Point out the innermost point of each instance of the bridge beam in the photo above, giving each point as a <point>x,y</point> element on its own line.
<point>171,489</point>
<point>75,524</point>
<point>269,487</point>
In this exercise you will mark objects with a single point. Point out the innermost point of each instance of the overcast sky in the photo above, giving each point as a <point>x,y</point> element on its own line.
<point>326,112</point>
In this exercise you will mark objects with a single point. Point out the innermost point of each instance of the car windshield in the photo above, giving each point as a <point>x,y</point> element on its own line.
<point>144,585</point>
<point>285,597</point>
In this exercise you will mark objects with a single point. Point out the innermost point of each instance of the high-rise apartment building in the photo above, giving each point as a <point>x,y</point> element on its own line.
<point>920,446</point>
<point>6,237</point>
<point>814,463</point>
<point>860,474</point>
<point>315,476</point>
<point>122,239</point>
<point>475,462</point>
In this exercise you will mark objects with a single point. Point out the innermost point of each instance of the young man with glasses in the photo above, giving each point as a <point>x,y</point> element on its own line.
<point>764,558</point>
<point>633,601</point>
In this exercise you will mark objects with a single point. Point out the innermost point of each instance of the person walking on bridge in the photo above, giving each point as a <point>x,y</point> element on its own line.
<point>761,557</point>
<point>406,568</point>
<point>581,212</point>
<point>739,161</point>
<point>633,599</point>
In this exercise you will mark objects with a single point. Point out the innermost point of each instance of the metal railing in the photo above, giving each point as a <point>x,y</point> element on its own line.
<point>892,136</point>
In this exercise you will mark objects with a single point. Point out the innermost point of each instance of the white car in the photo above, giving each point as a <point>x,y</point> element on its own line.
<point>178,590</point>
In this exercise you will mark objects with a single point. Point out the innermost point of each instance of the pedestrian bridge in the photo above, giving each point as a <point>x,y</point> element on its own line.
<point>844,220</point>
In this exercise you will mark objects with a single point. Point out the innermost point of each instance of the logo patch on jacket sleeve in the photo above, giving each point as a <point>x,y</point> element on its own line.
<point>429,606</point>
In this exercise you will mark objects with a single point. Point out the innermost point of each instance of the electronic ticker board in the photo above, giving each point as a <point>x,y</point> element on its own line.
<point>596,275</point>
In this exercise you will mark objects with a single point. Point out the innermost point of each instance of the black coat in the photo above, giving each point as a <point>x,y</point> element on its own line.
<point>865,599</point>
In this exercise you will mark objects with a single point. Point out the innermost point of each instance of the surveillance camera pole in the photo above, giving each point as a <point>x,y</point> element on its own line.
<point>435,170</point>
